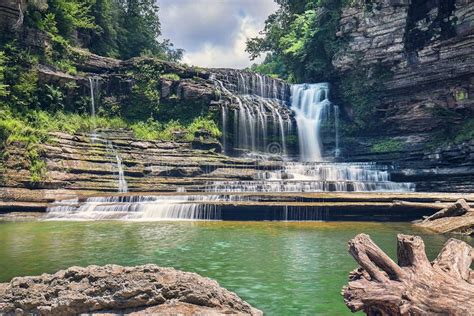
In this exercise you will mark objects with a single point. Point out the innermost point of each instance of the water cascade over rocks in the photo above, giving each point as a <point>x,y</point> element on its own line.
<point>94,84</point>
<point>259,116</point>
<point>313,170</point>
<point>310,102</point>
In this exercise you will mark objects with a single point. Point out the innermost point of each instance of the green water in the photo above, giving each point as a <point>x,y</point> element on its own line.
<point>280,268</point>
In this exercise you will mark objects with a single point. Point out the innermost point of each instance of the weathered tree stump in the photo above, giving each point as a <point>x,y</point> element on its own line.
<point>414,286</point>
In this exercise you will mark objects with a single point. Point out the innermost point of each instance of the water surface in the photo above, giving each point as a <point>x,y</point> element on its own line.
<point>280,268</point>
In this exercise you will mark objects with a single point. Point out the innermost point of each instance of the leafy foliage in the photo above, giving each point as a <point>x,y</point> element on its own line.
<point>388,145</point>
<point>301,36</point>
<point>115,28</point>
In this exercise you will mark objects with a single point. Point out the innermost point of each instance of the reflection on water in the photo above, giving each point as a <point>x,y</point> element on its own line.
<point>281,268</point>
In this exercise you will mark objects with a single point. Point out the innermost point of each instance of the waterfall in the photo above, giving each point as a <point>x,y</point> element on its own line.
<point>122,183</point>
<point>310,103</point>
<point>258,102</point>
<point>336,126</point>
<point>224,128</point>
<point>149,208</point>
<point>316,177</point>
<point>94,85</point>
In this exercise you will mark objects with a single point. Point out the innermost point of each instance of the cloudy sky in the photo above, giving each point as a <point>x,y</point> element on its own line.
<point>213,32</point>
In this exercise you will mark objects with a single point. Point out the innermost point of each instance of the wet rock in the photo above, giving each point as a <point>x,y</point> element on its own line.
<point>116,289</point>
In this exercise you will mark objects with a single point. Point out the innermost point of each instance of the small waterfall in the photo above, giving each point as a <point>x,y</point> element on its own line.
<point>94,85</point>
<point>149,208</point>
<point>259,102</point>
<point>310,103</point>
<point>336,126</point>
<point>122,183</point>
<point>224,128</point>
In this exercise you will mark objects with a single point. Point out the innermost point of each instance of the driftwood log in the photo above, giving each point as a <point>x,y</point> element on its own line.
<point>414,286</point>
<point>456,218</point>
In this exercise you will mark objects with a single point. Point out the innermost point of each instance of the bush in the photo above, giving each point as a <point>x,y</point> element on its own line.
<point>388,145</point>
<point>173,77</point>
<point>466,133</point>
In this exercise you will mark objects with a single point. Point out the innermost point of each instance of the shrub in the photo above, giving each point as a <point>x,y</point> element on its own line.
<point>388,145</point>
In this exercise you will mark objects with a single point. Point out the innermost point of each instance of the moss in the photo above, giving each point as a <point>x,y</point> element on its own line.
<point>388,145</point>
<point>466,132</point>
<point>460,95</point>
<point>360,89</point>
<point>171,76</point>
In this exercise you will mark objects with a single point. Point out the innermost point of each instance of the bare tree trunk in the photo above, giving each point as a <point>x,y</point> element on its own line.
<point>414,286</point>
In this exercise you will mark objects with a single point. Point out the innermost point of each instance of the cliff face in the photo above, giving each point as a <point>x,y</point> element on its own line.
<point>427,46</point>
<point>425,50</point>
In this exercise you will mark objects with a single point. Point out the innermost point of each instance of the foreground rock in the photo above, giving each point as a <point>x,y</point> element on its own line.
<point>113,289</point>
<point>414,286</point>
<point>457,218</point>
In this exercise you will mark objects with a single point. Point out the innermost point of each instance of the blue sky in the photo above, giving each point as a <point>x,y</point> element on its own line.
<point>213,32</point>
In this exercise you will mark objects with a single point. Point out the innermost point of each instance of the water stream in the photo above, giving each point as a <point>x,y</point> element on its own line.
<point>94,84</point>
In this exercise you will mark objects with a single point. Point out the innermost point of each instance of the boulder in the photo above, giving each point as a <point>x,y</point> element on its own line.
<point>116,289</point>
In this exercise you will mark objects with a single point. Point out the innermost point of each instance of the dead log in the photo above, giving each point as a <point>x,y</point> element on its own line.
<point>457,218</point>
<point>435,206</point>
<point>457,209</point>
<point>414,286</point>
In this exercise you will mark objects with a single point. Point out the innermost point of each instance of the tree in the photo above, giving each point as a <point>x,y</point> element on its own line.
<point>302,35</point>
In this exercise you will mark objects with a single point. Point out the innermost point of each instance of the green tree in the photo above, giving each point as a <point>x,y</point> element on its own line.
<point>302,36</point>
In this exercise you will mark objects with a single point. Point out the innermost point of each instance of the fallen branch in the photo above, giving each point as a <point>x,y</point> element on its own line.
<point>436,206</point>
<point>414,286</point>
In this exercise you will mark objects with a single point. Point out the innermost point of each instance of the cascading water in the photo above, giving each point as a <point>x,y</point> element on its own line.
<point>310,103</point>
<point>261,118</point>
<point>94,84</point>
<point>312,108</point>
<point>156,208</point>
<point>316,177</point>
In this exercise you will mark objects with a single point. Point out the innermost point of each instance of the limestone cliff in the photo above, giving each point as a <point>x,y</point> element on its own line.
<point>425,51</point>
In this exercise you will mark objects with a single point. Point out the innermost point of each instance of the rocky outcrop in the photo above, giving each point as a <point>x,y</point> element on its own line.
<point>421,53</point>
<point>426,47</point>
<point>413,158</point>
<point>140,290</point>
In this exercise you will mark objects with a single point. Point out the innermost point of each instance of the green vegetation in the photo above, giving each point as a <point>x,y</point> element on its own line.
<point>360,89</point>
<point>466,133</point>
<point>387,145</point>
<point>301,36</point>
<point>115,28</point>
<point>173,77</point>
<point>174,130</point>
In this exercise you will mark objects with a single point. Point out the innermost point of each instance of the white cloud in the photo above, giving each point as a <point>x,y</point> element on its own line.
<point>229,56</point>
<point>213,32</point>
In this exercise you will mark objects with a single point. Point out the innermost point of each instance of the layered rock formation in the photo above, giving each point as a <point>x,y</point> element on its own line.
<point>80,164</point>
<point>425,51</point>
<point>112,289</point>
